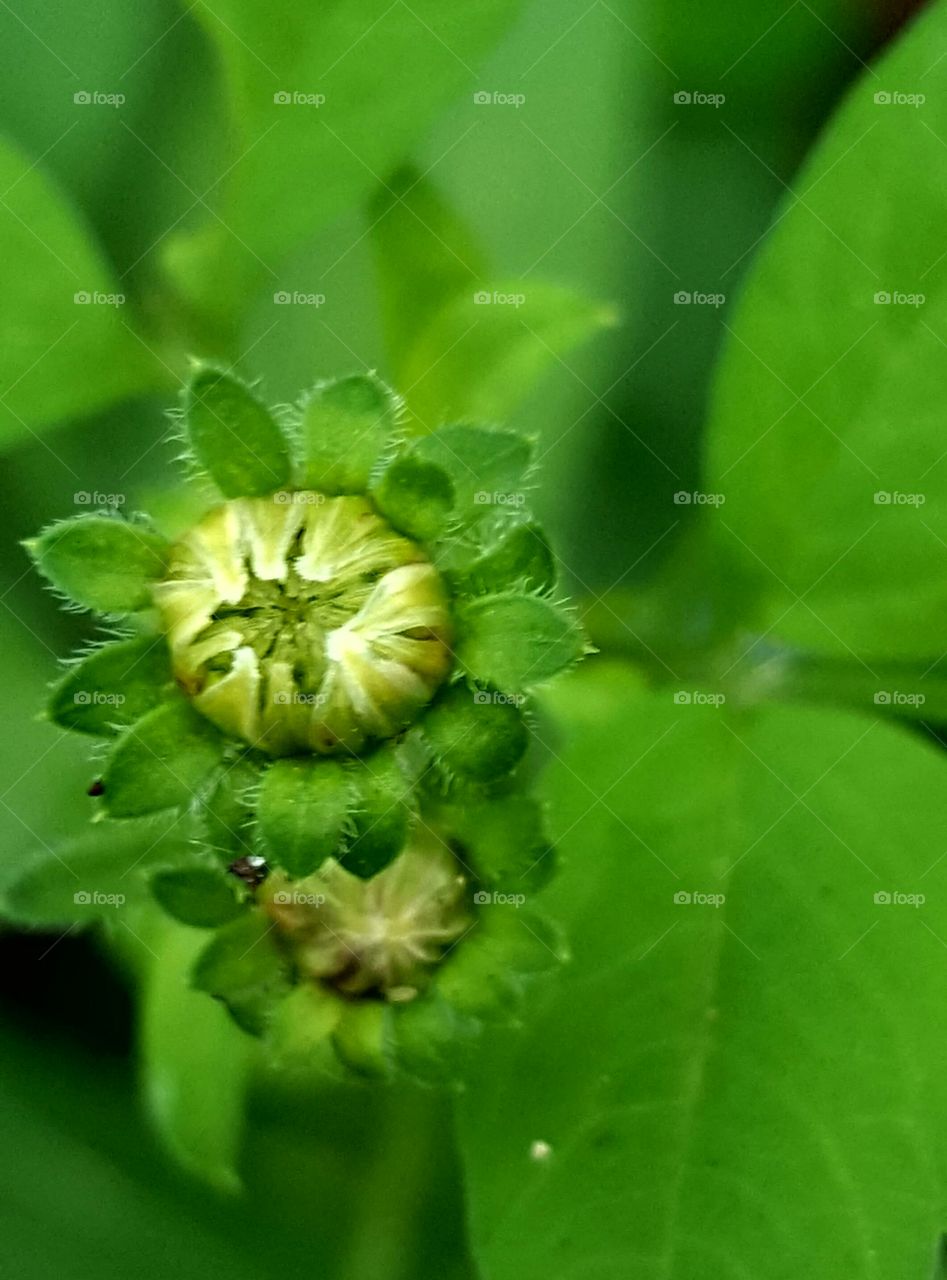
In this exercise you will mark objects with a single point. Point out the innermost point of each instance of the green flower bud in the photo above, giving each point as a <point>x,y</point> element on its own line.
<point>304,623</point>
<point>326,675</point>
<point>383,936</point>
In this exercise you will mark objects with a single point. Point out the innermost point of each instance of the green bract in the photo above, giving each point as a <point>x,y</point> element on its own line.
<point>328,673</point>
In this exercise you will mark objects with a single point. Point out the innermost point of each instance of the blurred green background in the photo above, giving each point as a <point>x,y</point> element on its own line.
<point>597,180</point>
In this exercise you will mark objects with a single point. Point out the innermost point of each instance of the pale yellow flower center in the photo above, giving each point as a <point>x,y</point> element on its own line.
<point>300,622</point>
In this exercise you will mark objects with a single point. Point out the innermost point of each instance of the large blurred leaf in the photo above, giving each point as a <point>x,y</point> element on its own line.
<point>161,66</point>
<point>487,347</point>
<point>90,877</point>
<point>753,1088</point>
<point>326,102</point>
<point>759,50</point>
<point>64,349</point>
<point>348,1183</point>
<point>194,1084</point>
<point>426,255</point>
<point>827,436</point>
<point>70,1208</point>
<point>460,344</point>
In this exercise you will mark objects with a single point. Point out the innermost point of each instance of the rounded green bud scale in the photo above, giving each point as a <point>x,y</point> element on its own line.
<point>345,428</point>
<point>101,562</point>
<point>301,622</point>
<point>233,436</point>
<point>477,733</point>
<point>380,812</point>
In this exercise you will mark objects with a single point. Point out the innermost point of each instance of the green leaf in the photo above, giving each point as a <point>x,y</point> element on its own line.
<point>203,897</point>
<point>383,71</point>
<point>345,429</point>
<point>195,1084</point>
<point>161,762</point>
<point>89,877</point>
<point>233,435</point>
<point>476,734</point>
<point>485,350</point>
<point>112,687</point>
<point>64,349</point>
<point>242,967</point>
<point>302,813</point>
<point>426,256</point>
<point>515,642</point>
<point>753,1081</point>
<point>463,344</point>
<point>101,562</point>
<point>86,1166</point>
<point>827,436</point>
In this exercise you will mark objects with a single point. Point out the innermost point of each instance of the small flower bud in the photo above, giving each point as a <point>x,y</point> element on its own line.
<point>301,622</point>
<point>382,936</point>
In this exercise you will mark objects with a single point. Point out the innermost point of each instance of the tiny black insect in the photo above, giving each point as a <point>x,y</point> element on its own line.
<point>96,788</point>
<point>251,869</point>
